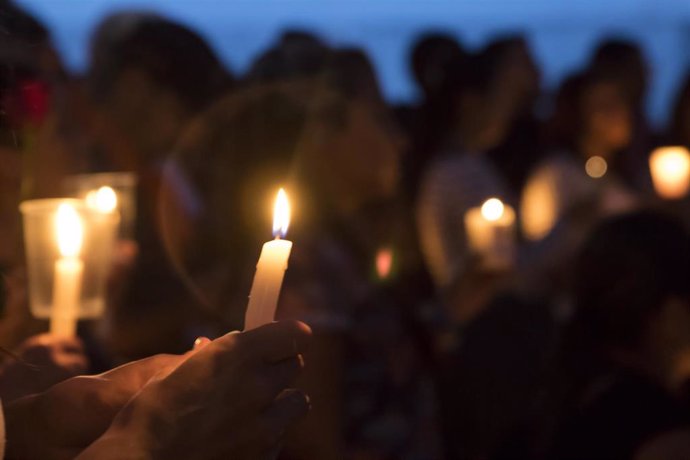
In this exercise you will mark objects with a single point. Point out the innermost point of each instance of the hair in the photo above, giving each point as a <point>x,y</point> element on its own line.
<point>17,25</point>
<point>616,54</point>
<point>568,118</point>
<point>172,55</point>
<point>298,54</point>
<point>629,266</point>
<point>497,49</point>
<point>350,72</point>
<point>622,59</point>
<point>431,54</point>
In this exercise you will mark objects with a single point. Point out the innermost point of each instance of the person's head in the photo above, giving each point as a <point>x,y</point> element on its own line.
<point>150,75</point>
<point>25,43</point>
<point>679,131</point>
<point>515,77</point>
<point>359,161</point>
<point>297,54</point>
<point>590,108</point>
<point>467,99</point>
<point>624,60</point>
<point>631,287</point>
<point>431,54</point>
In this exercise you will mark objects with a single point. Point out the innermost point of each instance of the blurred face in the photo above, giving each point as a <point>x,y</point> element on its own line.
<point>148,116</point>
<point>518,79</point>
<point>362,157</point>
<point>607,116</point>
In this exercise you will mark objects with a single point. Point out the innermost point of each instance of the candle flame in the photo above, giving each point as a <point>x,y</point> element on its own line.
<point>69,229</point>
<point>670,167</point>
<point>281,215</point>
<point>492,209</point>
<point>102,200</point>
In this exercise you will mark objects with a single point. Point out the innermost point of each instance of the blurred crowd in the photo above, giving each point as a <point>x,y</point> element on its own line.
<point>578,348</point>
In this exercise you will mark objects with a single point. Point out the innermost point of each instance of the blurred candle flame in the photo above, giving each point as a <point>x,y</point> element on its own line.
<point>670,169</point>
<point>281,215</point>
<point>69,229</point>
<point>492,209</point>
<point>384,263</point>
<point>102,200</point>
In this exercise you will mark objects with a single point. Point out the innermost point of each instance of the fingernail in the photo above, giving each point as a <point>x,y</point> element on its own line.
<point>300,358</point>
<point>201,341</point>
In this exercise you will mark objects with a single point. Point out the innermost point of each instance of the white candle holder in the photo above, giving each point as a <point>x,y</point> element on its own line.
<point>90,187</point>
<point>97,240</point>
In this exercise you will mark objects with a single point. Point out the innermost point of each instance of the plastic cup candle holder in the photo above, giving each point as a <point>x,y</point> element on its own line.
<point>69,254</point>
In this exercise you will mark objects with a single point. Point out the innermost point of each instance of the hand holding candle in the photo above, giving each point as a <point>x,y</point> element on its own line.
<point>263,299</point>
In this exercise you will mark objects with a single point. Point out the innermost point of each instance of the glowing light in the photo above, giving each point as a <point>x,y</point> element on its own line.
<point>102,200</point>
<point>539,207</point>
<point>670,168</point>
<point>384,263</point>
<point>596,167</point>
<point>281,215</point>
<point>69,229</point>
<point>492,209</point>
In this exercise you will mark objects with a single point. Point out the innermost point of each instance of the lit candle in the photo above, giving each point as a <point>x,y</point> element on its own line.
<point>263,299</point>
<point>491,234</point>
<point>670,169</point>
<point>68,272</point>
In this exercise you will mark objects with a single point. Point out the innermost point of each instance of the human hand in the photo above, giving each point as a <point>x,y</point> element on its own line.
<point>41,362</point>
<point>230,399</point>
<point>73,414</point>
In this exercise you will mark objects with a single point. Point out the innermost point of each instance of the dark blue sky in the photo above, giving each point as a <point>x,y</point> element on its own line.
<point>561,32</point>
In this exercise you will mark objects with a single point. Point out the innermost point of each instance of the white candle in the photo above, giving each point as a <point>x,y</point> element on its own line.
<point>491,234</point>
<point>68,272</point>
<point>263,299</point>
<point>670,169</point>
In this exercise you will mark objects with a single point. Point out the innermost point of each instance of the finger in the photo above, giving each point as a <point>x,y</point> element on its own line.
<point>276,341</point>
<point>201,342</point>
<point>263,435</point>
<point>134,375</point>
<point>287,408</point>
<point>272,379</point>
